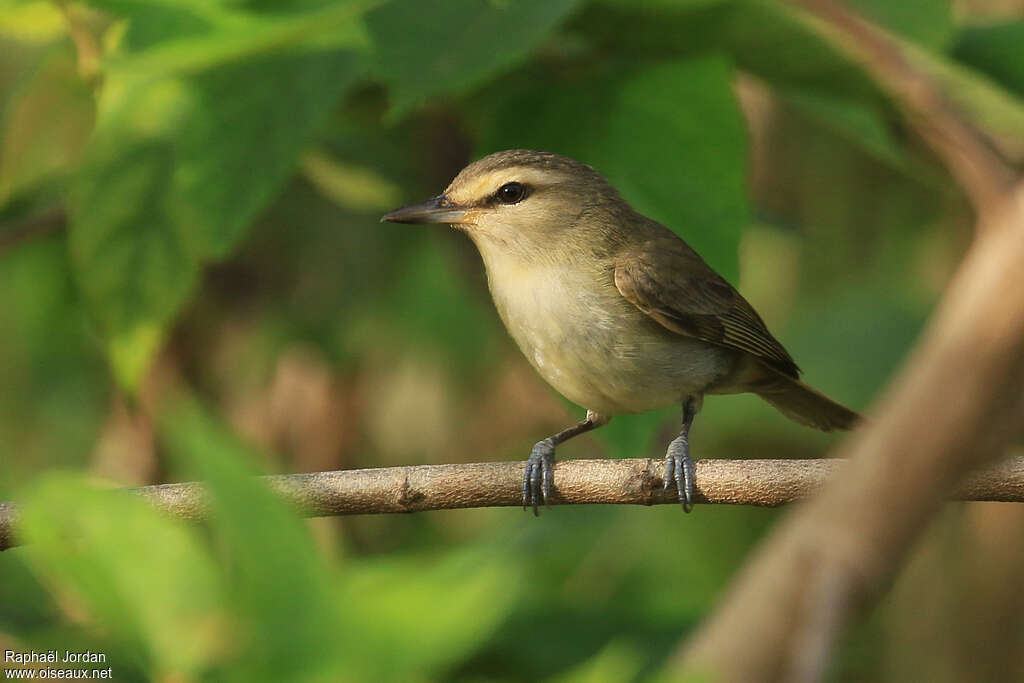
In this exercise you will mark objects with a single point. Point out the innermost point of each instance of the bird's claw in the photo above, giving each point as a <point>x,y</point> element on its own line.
<point>679,468</point>
<point>537,478</point>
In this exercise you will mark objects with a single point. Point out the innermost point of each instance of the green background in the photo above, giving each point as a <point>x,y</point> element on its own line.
<point>194,284</point>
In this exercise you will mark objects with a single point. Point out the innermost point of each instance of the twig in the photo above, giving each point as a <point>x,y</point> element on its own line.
<point>766,483</point>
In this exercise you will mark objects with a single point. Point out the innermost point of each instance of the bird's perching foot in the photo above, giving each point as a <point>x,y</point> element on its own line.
<point>537,479</point>
<point>678,464</point>
<point>679,469</point>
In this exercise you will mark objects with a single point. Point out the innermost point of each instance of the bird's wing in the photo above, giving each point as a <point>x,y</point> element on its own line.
<point>668,281</point>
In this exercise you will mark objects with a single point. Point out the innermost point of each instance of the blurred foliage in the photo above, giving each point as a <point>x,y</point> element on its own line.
<point>193,284</point>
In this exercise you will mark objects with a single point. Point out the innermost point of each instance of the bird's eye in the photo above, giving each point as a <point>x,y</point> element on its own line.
<point>510,193</point>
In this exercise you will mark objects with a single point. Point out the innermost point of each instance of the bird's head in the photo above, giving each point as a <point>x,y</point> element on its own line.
<point>521,200</point>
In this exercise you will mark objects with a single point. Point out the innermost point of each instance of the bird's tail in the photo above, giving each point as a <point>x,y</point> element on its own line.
<point>802,404</point>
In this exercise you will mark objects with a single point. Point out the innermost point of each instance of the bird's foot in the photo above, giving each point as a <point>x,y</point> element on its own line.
<point>679,468</point>
<point>537,479</point>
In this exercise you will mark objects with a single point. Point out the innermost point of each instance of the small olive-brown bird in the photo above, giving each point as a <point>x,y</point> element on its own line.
<point>613,309</point>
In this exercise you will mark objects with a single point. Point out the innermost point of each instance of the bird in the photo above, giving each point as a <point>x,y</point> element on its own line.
<point>613,309</point>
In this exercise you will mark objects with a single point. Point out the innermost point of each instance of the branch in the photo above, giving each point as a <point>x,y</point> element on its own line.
<point>984,175</point>
<point>955,405</point>
<point>639,481</point>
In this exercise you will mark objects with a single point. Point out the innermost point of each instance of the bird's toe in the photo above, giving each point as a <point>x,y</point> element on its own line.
<point>679,469</point>
<point>537,477</point>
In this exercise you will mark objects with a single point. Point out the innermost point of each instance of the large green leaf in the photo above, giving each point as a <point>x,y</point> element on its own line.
<point>45,126</point>
<point>455,44</point>
<point>670,136</point>
<point>172,46</point>
<point>860,124</point>
<point>57,393</point>
<point>279,585</point>
<point>302,621</point>
<point>769,39</point>
<point>809,64</point>
<point>139,574</point>
<point>995,49</point>
<point>198,31</point>
<point>180,163</point>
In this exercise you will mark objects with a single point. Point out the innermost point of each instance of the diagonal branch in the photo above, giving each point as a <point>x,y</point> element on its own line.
<point>985,176</point>
<point>956,405</point>
<point>639,481</point>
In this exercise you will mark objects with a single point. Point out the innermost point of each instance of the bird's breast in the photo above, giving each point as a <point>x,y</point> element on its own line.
<point>592,345</point>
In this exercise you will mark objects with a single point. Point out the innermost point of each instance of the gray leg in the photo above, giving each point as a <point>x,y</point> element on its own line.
<point>678,464</point>
<point>537,479</point>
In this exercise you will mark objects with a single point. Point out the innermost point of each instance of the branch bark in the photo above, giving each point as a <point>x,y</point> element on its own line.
<point>639,481</point>
<point>956,405</point>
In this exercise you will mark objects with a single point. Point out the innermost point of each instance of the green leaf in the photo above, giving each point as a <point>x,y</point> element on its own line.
<point>456,44</point>
<point>793,52</point>
<point>225,38</point>
<point>926,22</point>
<point>130,254</point>
<point>149,22</point>
<point>280,586</point>
<point>137,573</point>
<point>669,136</point>
<point>45,125</point>
<point>770,40</point>
<point>202,33</point>
<point>619,660</point>
<point>300,620</point>
<point>174,174</point>
<point>464,596</point>
<point>57,390</point>
<point>31,21</point>
<point>995,49</point>
<point>861,125</point>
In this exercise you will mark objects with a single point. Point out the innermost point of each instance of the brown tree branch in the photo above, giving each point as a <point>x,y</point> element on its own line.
<point>985,176</point>
<point>639,481</point>
<point>956,405</point>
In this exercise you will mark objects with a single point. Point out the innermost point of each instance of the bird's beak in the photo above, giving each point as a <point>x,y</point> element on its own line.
<point>434,210</point>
